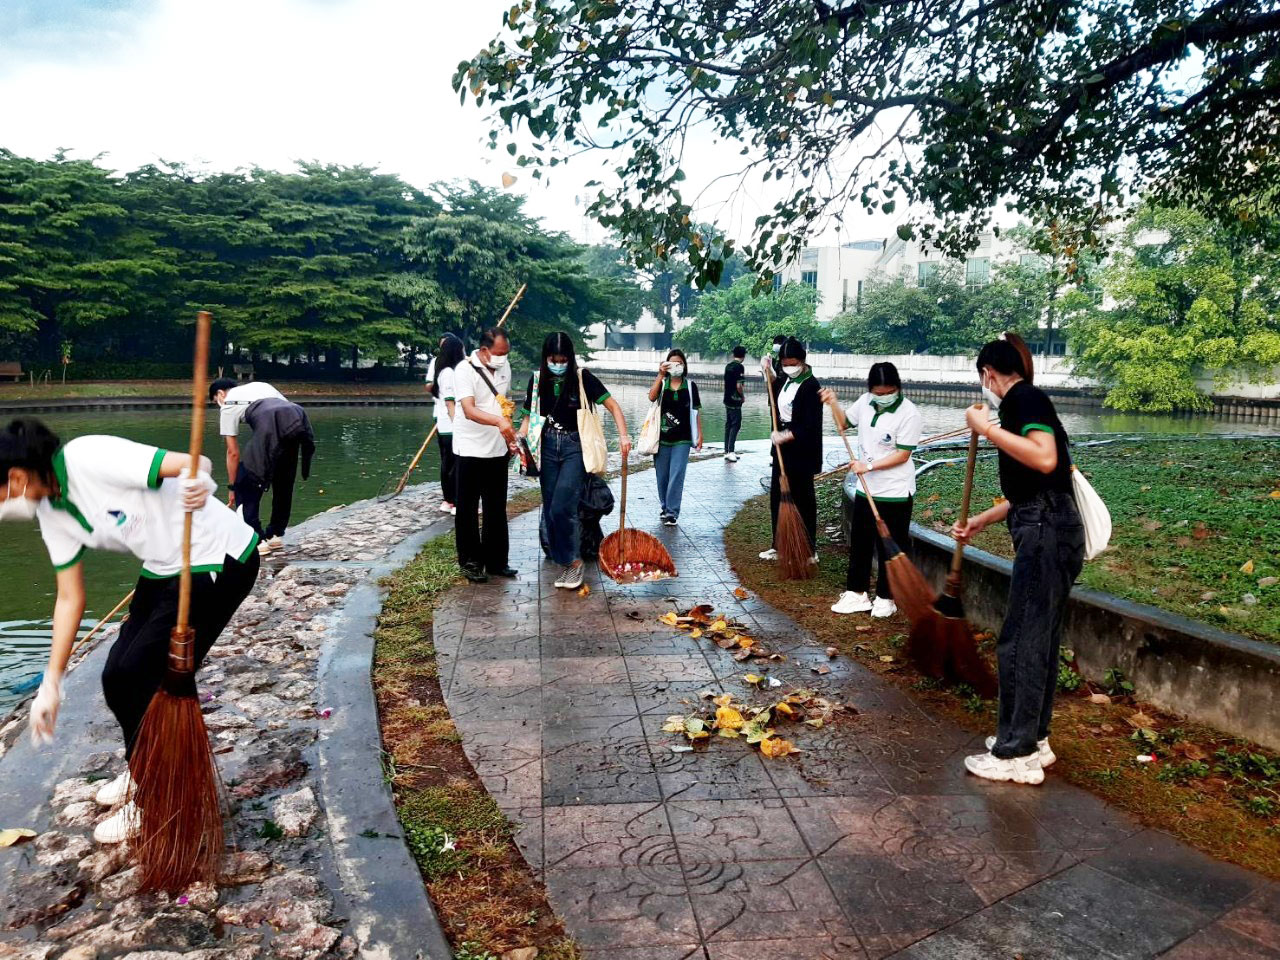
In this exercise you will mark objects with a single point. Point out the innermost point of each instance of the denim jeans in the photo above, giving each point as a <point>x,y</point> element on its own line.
<point>562,478</point>
<point>670,463</point>
<point>1048,538</point>
<point>732,424</point>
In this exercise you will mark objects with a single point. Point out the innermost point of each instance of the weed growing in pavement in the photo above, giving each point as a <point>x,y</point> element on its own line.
<point>1114,682</point>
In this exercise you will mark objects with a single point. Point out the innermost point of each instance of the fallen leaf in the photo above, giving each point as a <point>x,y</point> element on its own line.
<point>1274,494</point>
<point>776,747</point>
<point>584,590</point>
<point>15,835</point>
<point>520,953</point>
<point>742,655</point>
<point>1107,728</point>
<point>719,625</point>
<point>1247,567</point>
<point>751,678</point>
<point>1100,698</point>
<point>746,643</point>
<point>933,498</point>
<point>669,618</point>
<point>822,670</point>
<point>1268,581</point>
<point>1200,531</point>
<point>635,615</point>
<point>673,725</point>
<point>681,748</point>
<point>740,593</point>
<point>727,718</point>
<point>815,722</point>
<point>1140,720</point>
<point>701,613</point>
<point>785,709</point>
<point>885,658</point>
<point>832,652</point>
<point>863,629</point>
<point>1192,751</point>
<point>695,633</point>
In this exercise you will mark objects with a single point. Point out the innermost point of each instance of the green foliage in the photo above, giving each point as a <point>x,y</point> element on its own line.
<point>1069,680</point>
<point>1068,108</point>
<point>741,314</point>
<point>1182,772</point>
<point>434,850</point>
<point>472,951</point>
<point>1190,295</point>
<point>1114,682</point>
<point>270,830</point>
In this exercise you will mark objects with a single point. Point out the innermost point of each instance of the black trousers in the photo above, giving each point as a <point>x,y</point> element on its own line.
<point>732,424</point>
<point>137,661</point>
<point>865,540</point>
<point>448,468</point>
<point>804,496</point>
<point>482,480</point>
<point>249,490</point>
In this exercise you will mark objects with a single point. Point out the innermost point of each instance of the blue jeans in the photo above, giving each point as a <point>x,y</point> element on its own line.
<point>562,477</point>
<point>1048,538</point>
<point>670,463</point>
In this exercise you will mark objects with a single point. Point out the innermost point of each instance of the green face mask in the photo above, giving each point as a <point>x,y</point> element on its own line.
<point>887,400</point>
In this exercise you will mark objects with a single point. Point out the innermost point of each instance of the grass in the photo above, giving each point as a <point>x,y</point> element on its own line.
<point>1217,793</point>
<point>15,392</point>
<point>488,899</point>
<point>1196,525</point>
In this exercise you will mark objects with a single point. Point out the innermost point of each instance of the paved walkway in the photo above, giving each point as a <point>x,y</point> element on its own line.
<point>871,843</point>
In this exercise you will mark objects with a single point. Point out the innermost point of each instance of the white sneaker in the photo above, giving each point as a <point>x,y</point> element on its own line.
<point>1018,769</point>
<point>770,554</point>
<point>453,511</point>
<point>571,579</point>
<point>851,602</point>
<point>731,457</point>
<point>445,506</point>
<point>883,608</point>
<point>269,546</point>
<point>120,826</point>
<point>1047,756</point>
<point>121,788</point>
<point>814,559</point>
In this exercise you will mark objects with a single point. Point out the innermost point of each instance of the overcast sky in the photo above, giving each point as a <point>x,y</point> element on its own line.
<point>234,83</point>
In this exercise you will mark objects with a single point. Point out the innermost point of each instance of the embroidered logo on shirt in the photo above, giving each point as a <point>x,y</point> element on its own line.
<point>119,516</point>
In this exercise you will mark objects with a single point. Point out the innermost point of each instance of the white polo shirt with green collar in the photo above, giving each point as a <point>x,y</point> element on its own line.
<point>111,497</point>
<point>883,431</point>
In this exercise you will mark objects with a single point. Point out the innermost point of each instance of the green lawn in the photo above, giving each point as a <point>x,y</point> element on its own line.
<point>1196,525</point>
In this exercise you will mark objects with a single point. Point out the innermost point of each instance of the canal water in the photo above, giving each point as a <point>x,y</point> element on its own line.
<point>358,449</point>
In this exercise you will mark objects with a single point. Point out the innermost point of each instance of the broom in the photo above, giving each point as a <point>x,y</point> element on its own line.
<point>941,643</point>
<point>790,536</point>
<point>180,840</point>
<point>911,592</point>
<point>647,557</point>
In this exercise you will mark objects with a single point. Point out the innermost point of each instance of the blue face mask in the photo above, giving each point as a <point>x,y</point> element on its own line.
<point>884,400</point>
<point>559,369</point>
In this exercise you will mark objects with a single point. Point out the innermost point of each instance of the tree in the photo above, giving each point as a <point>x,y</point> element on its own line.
<point>739,314</point>
<point>1189,295</point>
<point>1066,106</point>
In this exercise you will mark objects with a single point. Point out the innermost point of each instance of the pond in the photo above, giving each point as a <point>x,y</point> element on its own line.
<point>359,449</point>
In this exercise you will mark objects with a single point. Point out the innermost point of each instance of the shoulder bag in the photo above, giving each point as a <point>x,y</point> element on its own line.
<point>651,429</point>
<point>595,452</point>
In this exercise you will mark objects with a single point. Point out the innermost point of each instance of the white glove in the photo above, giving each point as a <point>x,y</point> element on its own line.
<point>44,709</point>
<point>766,364</point>
<point>195,491</point>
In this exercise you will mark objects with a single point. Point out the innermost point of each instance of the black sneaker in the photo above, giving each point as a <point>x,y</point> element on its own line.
<point>669,520</point>
<point>504,572</point>
<point>475,574</point>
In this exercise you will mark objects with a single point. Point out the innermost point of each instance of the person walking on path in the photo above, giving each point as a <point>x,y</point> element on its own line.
<point>443,389</point>
<point>100,492</point>
<point>281,431</point>
<point>483,441</point>
<point>552,401</point>
<point>797,394</point>
<point>680,433</point>
<point>888,426</point>
<point>1048,539</point>
<point>734,396</point>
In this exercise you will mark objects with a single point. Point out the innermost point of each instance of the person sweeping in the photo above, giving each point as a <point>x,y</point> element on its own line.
<point>108,493</point>
<point>889,427</point>
<point>798,440</point>
<point>1048,539</point>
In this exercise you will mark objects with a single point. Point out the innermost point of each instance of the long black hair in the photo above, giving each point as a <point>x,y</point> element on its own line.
<point>793,349</point>
<point>28,444</point>
<point>883,374</point>
<point>452,352</point>
<point>1007,355</point>
<point>558,343</point>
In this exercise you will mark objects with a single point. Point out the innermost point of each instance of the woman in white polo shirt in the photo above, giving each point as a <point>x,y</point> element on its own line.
<point>888,426</point>
<point>108,493</point>
<point>443,389</point>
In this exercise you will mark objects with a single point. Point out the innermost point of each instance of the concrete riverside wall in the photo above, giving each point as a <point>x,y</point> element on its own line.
<point>1221,679</point>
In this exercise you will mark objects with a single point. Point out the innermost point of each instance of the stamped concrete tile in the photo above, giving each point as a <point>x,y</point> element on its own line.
<point>496,673</point>
<point>608,835</point>
<point>1217,942</point>
<point>493,704</point>
<point>765,900</point>
<point>494,741</point>
<point>994,934</point>
<point>585,670</point>
<point>647,668</point>
<point>799,948</point>
<point>686,951</point>
<point>660,698</point>
<point>1115,917</point>
<point>1258,917</point>
<point>830,765</point>
<point>513,645</point>
<point>723,771</point>
<point>606,764</point>
<point>982,821</point>
<point>725,831</point>
<point>1080,821</point>
<point>851,826</point>
<point>595,644</point>
<point>512,781</point>
<point>563,701</point>
<point>526,824</point>
<point>623,906</point>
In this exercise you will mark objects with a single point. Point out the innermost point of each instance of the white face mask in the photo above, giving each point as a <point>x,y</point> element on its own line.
<point>777,347</point>
<point>497,363</point>
<point>884,399</point>
<point>676,369</point>
<point>17,507</point>
<point>992,400</point>
<point>792,372</point>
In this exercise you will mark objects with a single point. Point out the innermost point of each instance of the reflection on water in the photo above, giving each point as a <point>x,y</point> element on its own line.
<point>357,450</point>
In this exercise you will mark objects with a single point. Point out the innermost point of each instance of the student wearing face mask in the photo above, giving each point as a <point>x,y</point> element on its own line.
<point>552,401</point>
<point>680,433</point>
<point>452,352</point>
<point>888,427</point>
<point>797,394</point>
<point>483,440</point>
<point>1048,540</point>
<point>99,492</point>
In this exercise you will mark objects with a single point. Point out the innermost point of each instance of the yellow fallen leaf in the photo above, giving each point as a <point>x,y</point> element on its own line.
<point>718,626</point>
<point>695,633</point>
<point>15,835</point>
<point>1274,494</point>
<point>776,746</point>
<point>674,725</point>
<point>1247,567</point>
<point>815,722</point>
<point>584,590</point>
<point>751,678</point>
<point>727,718</point>
<point>745,642</point>
<point>743,595</point>
<point>669,618</point>
<point>785,709</point>
<point>885,658</point>
<point>724,700</point>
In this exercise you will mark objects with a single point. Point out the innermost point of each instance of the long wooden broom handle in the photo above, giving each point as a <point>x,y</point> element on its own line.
<point>199,403</point>
<point>622,517</point>
<point>783,483</point>
<point>103,622</point>
<point>413,464</point>
<point>512,305</point>
<point>875,512</point>
<point>957,555</point>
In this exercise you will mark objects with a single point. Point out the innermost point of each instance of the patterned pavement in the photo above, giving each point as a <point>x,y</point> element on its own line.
<point>871,843</point>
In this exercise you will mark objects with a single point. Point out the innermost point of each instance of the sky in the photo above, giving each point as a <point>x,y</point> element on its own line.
<point>238,83</point>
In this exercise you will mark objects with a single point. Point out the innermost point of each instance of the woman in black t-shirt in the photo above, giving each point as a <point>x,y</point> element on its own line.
<point>551,404</point>
<point>797,394</point>
<point>680,433</point>
<point>1048,537</point>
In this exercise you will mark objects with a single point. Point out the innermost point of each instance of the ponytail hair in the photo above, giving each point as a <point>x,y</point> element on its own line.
<point>1007,355</point>
<point>28,444</point>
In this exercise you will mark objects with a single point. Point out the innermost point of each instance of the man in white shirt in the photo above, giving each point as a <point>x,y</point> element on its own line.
<point>483,441</point>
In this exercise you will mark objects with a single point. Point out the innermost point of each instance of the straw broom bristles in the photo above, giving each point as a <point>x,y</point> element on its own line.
<point>180,840</point>
<point>635,547</point>
<point>790,536</point>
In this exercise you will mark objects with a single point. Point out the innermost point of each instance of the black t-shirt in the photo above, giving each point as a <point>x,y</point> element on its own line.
<point>559,402</point>
<point>1026,408</point>
<point>677,413</point>
<point>734,373</point>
